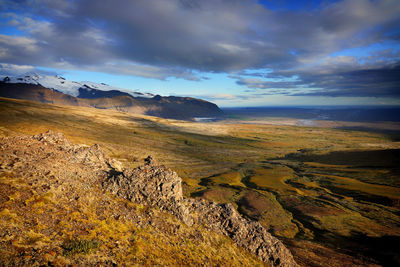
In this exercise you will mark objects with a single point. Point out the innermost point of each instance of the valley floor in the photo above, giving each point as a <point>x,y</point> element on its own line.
<point>331,195</point>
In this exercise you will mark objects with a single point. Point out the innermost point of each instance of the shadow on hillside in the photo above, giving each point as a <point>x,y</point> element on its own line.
<point>389,158</point>
<point>385,250</point>
<point>393,135</point>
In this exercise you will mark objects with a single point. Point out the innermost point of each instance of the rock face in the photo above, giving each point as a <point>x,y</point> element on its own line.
<point>150,184</point>
<point>251,235</point>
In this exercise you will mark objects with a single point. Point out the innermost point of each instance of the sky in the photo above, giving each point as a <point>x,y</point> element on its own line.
<point>230,52</point>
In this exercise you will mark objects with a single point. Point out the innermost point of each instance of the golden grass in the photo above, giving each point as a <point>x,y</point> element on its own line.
<point>352,222</point>
<point>323,165</point>
<point>274,178</point>
<point>270,213</point>
<point>61,233</point>
<point>373,189</point>
<point>231,178</point>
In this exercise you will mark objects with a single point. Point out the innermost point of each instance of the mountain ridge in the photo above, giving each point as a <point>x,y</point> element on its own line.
<point>65,86</point>
<point>173,107</point>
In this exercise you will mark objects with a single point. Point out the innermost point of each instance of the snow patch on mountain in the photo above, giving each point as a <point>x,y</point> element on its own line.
<point>62,85</point>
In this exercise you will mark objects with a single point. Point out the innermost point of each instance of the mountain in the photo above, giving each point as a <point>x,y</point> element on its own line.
<point>37,93</point>
<point>59,91</point>
<point>77,89</point>
<point>90,93</point>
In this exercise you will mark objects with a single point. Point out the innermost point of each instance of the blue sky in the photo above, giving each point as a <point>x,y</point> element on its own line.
<point>233,53</point>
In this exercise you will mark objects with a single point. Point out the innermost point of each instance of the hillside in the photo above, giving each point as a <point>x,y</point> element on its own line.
<point>38,93</point>
<point>320,191</point>
<point>56,90</point>
<point>55,206</point>
<point>55,212</point>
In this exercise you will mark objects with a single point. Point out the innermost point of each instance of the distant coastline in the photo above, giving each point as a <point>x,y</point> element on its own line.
<point>331,113</point>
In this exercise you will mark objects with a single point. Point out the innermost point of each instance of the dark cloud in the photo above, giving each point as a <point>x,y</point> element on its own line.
<point>383,81</point>
<point>380,82</point>
<point>178,38</point>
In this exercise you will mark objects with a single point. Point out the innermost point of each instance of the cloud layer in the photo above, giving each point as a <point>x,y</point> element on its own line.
<point>179,38</point>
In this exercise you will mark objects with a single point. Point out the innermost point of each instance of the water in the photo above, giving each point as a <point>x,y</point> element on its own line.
<point>205,119</point>
<point>334,113</point>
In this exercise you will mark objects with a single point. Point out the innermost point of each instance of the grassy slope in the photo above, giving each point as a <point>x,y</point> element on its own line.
<point>40,229</point>
<point>327,212</point>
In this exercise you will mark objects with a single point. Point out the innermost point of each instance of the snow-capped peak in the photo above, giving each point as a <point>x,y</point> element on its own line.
<point>67,87</point>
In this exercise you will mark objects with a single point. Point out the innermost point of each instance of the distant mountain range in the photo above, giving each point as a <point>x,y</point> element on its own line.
<point>59,91</point>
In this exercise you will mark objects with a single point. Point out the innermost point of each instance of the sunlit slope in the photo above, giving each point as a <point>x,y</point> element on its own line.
<point>331,194</point>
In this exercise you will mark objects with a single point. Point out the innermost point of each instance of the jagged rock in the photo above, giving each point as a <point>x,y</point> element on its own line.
<point>251,235</point>
<point>53,138</point>
<point>156,185</point>
<point>150,161</point>
<point>150,184</point>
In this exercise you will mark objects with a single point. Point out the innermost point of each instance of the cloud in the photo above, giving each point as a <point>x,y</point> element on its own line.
<point>181,38</point>
<point>225,97</point>
<point>375,82</point>
<point>17,70</point>
<point>340,76</point>
<point>147,71</point>
<point>261,84</point>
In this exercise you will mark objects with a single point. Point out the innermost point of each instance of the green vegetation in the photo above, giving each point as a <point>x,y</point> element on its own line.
<point>272,177</point>
<point>329,194</point>
<point>79,246</point>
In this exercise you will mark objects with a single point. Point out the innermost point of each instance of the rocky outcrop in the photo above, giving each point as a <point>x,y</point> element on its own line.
<point>154,184</point>
<point>92,156</point>
<point>251,235</point>
<point>151,184</point>
<point>52,155</point>
<point>50,160</point>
